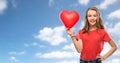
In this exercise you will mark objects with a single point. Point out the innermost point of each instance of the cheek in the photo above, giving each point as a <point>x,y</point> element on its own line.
<point>96,18</point>
<point>88,18</point>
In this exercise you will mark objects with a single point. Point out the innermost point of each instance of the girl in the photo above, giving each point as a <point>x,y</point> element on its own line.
<point>90,40</point>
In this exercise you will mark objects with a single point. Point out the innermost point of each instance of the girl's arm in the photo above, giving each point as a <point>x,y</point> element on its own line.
<point>111,51</point>
<point>77,44</point>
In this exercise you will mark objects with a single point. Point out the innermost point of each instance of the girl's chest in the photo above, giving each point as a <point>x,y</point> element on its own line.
<point>92,37</point>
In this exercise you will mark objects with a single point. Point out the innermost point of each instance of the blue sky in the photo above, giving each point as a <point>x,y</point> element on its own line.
<point>31,31</point>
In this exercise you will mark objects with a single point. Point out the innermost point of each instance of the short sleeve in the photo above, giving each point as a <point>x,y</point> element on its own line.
<point>79,35</point>
<point>106,37</point>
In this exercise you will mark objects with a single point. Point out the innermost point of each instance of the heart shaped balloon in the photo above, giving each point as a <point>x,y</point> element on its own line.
<point>69,19</point>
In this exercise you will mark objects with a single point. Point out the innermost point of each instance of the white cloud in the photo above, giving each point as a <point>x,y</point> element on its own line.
<point>106,3</point>
<point>3,6</point>
<point>114,14</point>
<point>69,47</point>
<point>14,53</point>
<point>13,59</point>
<point>17,53</point>
<point>31,44</point>
<point>83,2</point>
<point>117,53</point>
<point>53,36</point>
<point>105,49</point>
<point>42,46</point>
<point>115,30</point>
<point>81,24</point>
<point>69,61</point>
<point>56,54</point>
<point>51,2</point>
<point>62,55</point>
<point>115,60</point>
<point>34,44</point>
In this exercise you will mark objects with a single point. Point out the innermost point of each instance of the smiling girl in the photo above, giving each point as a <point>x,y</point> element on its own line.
<point>89,41</point>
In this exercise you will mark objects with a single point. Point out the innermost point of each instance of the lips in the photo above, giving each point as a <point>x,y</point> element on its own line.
<point>92,22</point>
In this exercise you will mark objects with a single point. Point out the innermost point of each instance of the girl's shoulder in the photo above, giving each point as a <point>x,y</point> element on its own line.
<point>80,31</point>
<point>102,30</point>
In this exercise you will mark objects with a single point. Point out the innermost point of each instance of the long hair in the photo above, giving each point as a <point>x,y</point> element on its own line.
<point>99,23</point>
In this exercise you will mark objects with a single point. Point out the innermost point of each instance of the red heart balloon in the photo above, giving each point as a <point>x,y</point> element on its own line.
<point>69,19</point>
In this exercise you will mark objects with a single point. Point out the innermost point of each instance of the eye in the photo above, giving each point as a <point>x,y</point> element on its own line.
<point>89,15</point>
<point>95,15</point>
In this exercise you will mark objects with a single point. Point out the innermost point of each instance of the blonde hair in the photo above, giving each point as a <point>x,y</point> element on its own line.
<point>99,22</point>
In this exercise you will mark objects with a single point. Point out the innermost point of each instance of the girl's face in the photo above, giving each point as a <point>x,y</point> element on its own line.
<point>92,17</point>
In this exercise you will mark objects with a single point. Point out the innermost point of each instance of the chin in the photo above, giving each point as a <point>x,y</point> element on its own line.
<point>92,24</point>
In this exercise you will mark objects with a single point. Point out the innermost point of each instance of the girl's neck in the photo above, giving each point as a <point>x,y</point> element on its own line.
<point>92,28</point>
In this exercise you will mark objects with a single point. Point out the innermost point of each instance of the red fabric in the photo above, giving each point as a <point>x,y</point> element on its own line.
<point>93,43</point>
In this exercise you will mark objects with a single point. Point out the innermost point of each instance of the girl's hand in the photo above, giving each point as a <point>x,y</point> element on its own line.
<point>70,32</point>
<point>99,56</point>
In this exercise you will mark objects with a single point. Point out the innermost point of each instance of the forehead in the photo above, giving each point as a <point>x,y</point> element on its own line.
<point>91,12</point>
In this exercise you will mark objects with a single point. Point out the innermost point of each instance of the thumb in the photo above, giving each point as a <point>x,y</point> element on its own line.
<point>67,28</point>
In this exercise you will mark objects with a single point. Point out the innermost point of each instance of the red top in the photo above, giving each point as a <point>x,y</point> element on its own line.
<point>93,43</point>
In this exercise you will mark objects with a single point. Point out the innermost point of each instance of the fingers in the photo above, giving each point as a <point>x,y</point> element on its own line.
<point>98,56</point>
<point>67,28</point>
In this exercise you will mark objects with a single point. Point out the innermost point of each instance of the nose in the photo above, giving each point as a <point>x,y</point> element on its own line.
<point>92,18</point>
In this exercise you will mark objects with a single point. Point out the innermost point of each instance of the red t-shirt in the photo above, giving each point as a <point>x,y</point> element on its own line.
<point>93,43</point>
